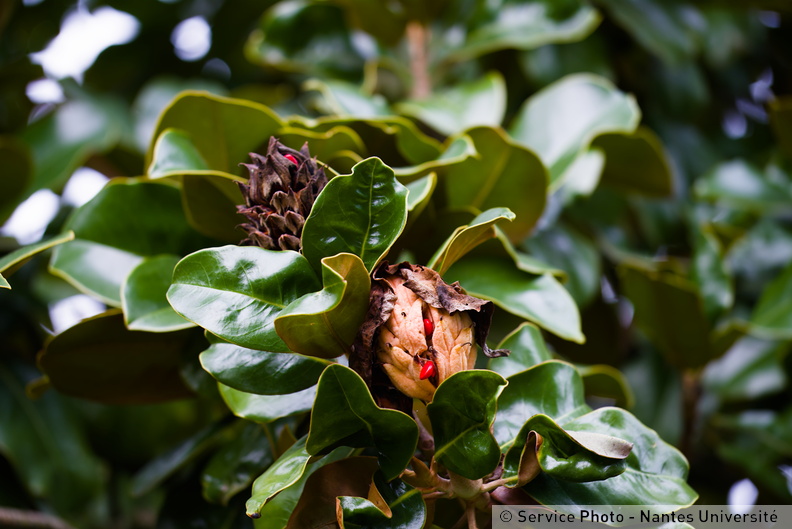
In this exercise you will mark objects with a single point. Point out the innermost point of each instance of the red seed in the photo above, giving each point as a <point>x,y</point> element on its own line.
<point>428,370</point>
<point>291,158</point>
<point>428,327</point>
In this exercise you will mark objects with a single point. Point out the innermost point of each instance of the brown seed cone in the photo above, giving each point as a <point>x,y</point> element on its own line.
<point>279,196</point>
<point>392,345</point>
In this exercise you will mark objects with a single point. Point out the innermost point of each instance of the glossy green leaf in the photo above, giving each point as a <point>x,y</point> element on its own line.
<point>540,299</point>
<point>709,272</point>
<point>465,238</point>
<point>560,121</point>
<point>100,359</point>
<point>305,37</point>
<point>237,292</point>
<point>476,103</point>
<point>671,314</point>
<point>346,99</point>
<point>234,466</point>
<point>635,163</point>
<point>11,261</point>
<point>457,150</point>
<point>419,193</point>
<point>345,414</point>
<point>575,254</point>
<point>222,131</point>
<point>124,223</point>
<point>362,214</point>
<point>175,154</point>
<point>752,368</point>
<point>552,388</point>
<point>143,297</point>
<point>261,372</point>
<point>577,456</point>
<point>742,185</point>
<point>462,412</point>
<point>284,472</point>
<point>527,349</point>
<point>159,469</point>
<point>489,180</point>
<point>324,324</point>
<point>772,316</point>
<point>267,408</point>
<point>405,507</point>
<point>516,25</point>
<point>49,430</point>
<point>18,171</point>
<point>656,472</point>
<point>277,509</point>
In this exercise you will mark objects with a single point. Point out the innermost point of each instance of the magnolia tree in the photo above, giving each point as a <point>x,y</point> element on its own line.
<point>399,296</point>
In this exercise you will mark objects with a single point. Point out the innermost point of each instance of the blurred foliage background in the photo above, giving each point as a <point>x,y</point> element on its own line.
<point>680,262</point>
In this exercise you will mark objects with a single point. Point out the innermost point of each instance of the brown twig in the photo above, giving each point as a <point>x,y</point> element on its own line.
<point>19,518</point>
<point>417,37</point>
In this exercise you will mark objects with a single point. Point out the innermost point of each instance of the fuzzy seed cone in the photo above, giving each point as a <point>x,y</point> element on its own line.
<point>279,196</point>
<point>393,346</point>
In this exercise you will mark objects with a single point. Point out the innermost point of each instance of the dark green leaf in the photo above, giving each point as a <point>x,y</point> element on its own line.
<point>579,107</point>
<point>46,446</point>
<point>345,414</point>
<point>362,214</point>
<point>465,238</point>
<point>100,359</point>
<point>742,185</point>
<point>540,299</point>
<point>175,154</point>
<point>261,372</point>
<point>18,172</point>
<point>324,324</point>
<point>671,313</point>
<point>159,469</point>
<point>10,262</point>
<point>709,272</point>
<point>527,349</point>
<point>62,141</point>
<point>237,292</point>
<point>462,412</point>
<point>477,103</point>
<point>233,468</point>
<point>607,382</point>
<point>222,131</point>
<point>663,28</point>
<point>752,368</point>
<point>515,25</point>
<point>405,507</point>
<point>489,180</point>
<point>781,118</point>
<point>124,223</point>
<point>635,163</point>
<point>267,408</point>
<point>567,249</point>
<point>347,100</point>
<point>143,296</point>
<point>276,511</point>
<point>300,36</point>
<point>209,202</point>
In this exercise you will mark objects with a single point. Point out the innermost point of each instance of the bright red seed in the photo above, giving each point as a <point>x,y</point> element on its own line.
<point>428,370</point>
<point>291,158</point>
<point>428,327</point>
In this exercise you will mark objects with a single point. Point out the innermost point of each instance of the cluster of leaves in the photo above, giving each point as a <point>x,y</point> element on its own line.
<point>525,174</point>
